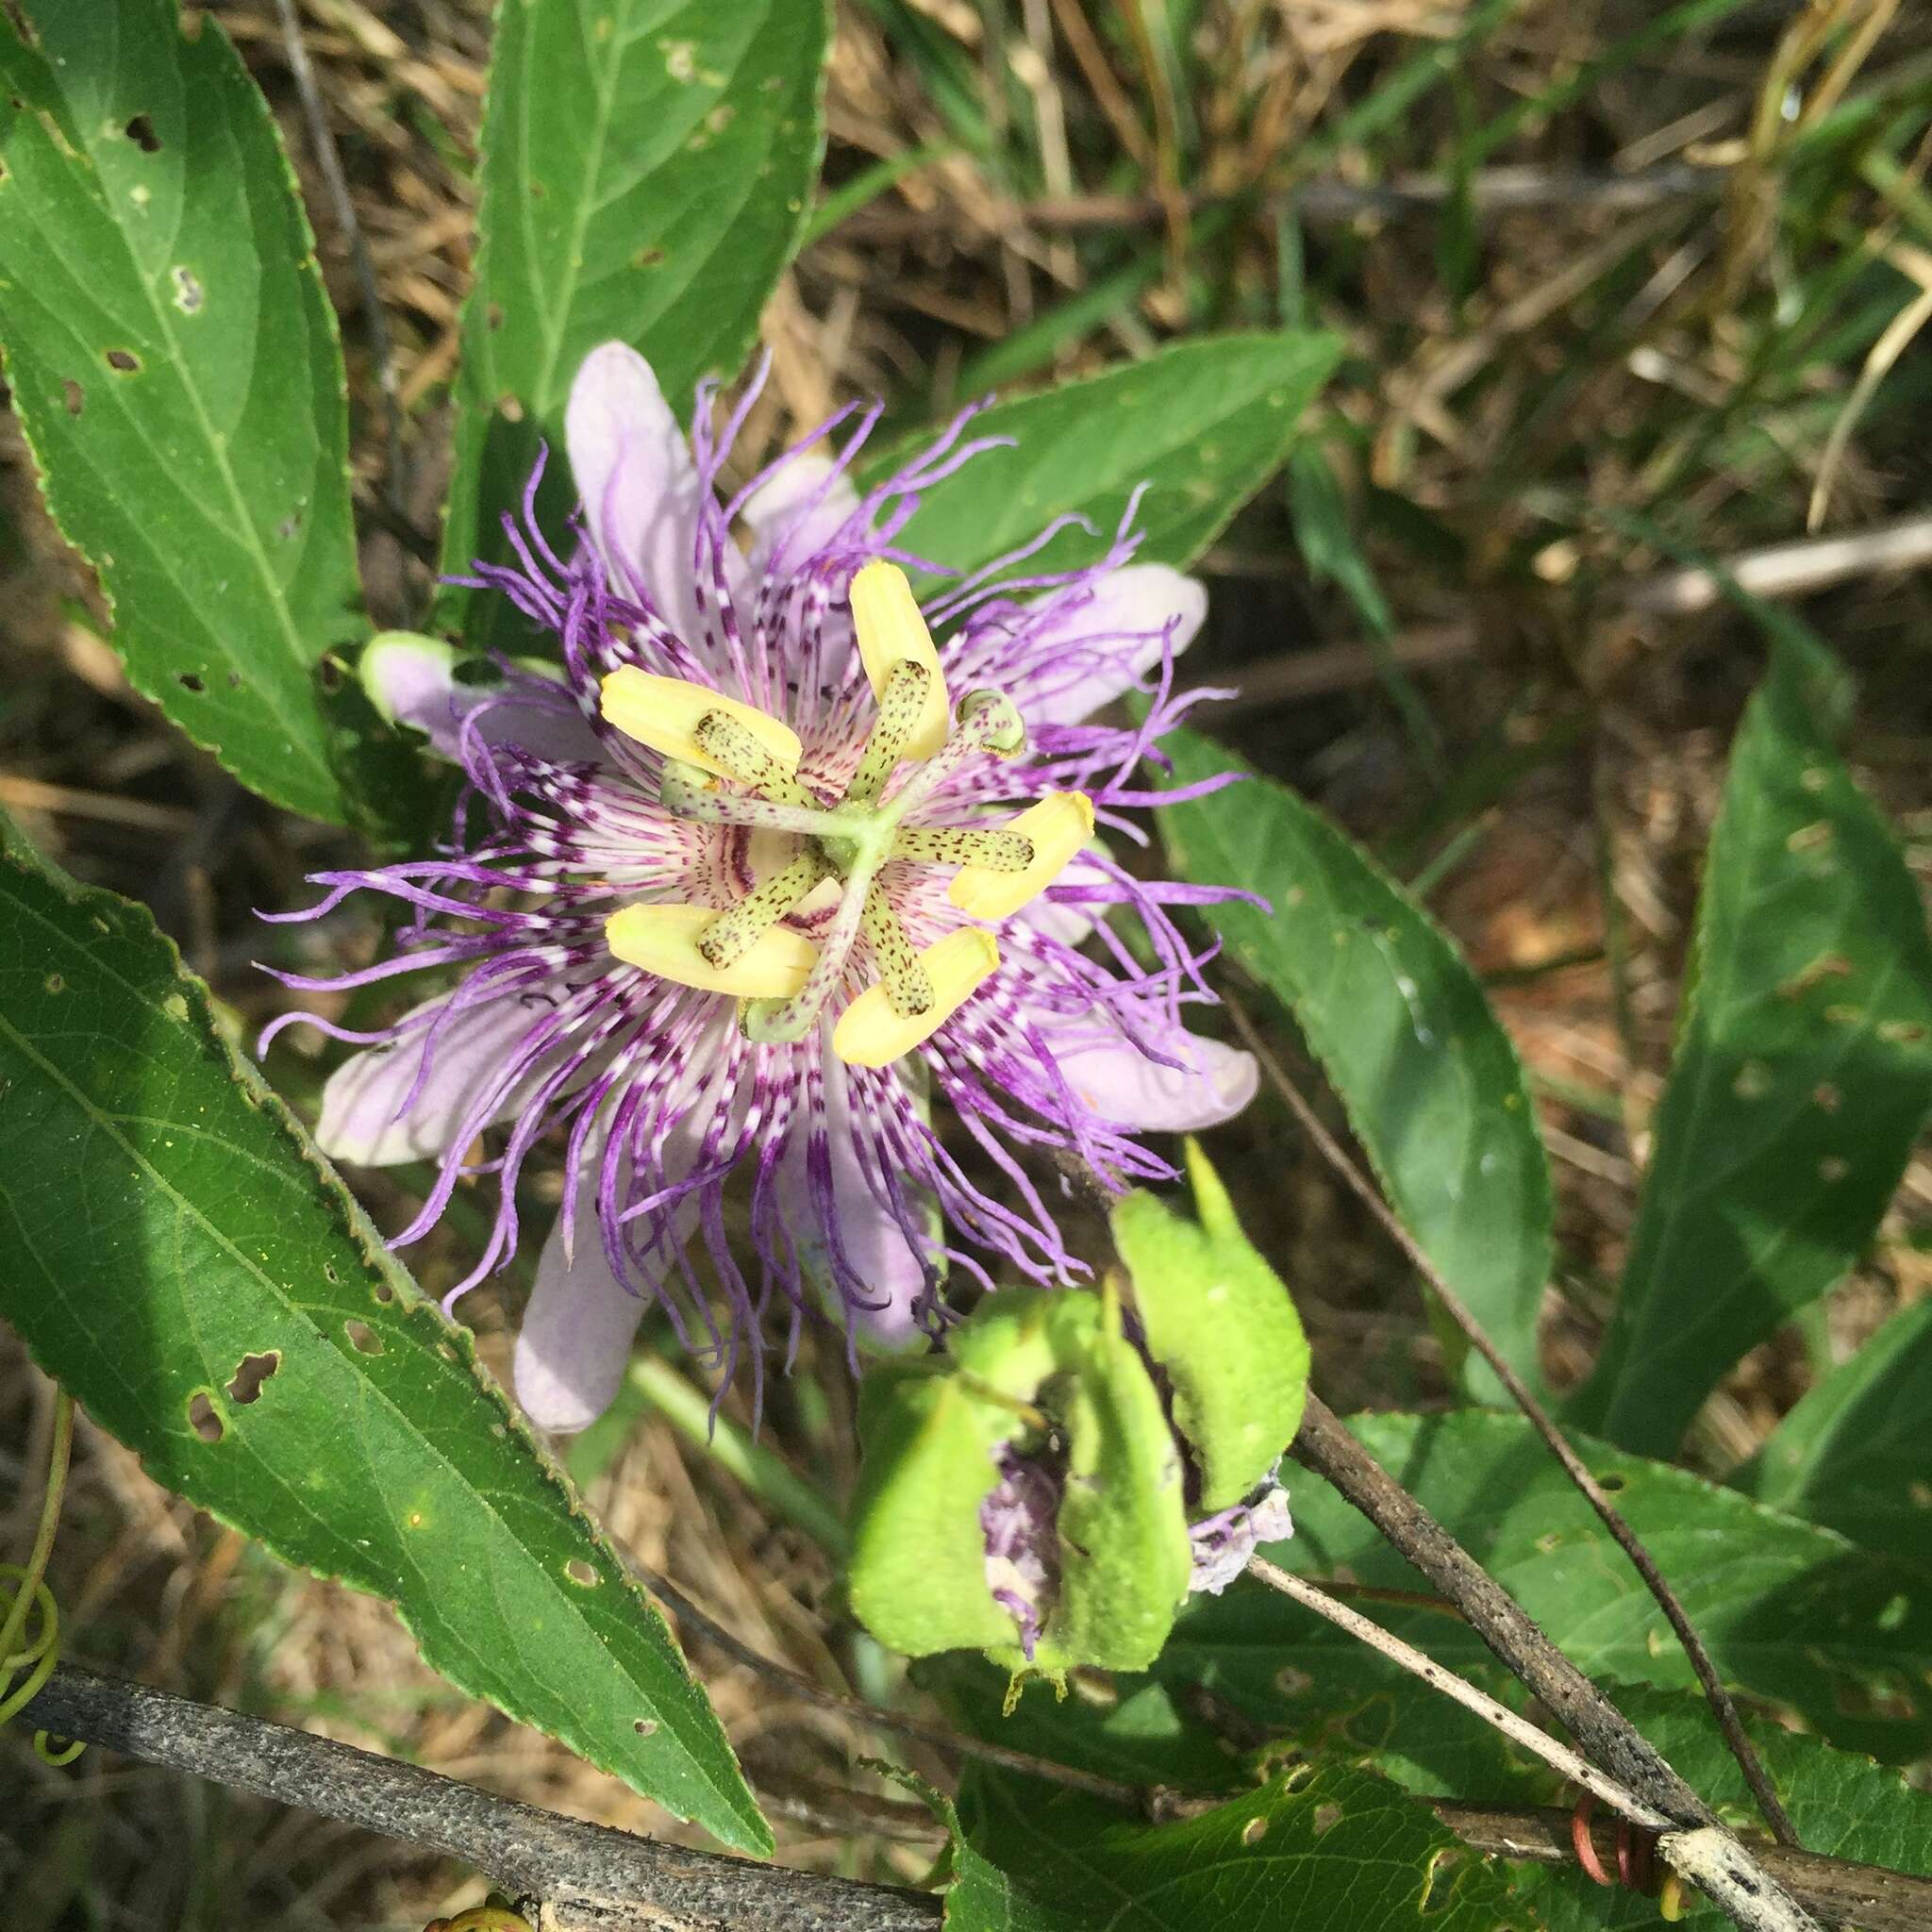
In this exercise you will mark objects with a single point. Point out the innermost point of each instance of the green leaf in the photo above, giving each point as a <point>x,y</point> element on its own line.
<point>1338,1848</point>
<point>1204,424</point>
<point>175,366</point>
<point>1803,1072</point>
<point>186,1264</point>
<point>1853,1455</point>
<point>647,167</point>
<point>1431,1083</point>
<point>1789,1612</point>
<point>1220,1322</point>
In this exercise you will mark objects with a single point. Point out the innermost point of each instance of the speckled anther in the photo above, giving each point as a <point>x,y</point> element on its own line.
<point>886,616</point>
<point>1056,828</point>
<point>664,714</point>
<point>871,1033</point>
<point>664,940</point>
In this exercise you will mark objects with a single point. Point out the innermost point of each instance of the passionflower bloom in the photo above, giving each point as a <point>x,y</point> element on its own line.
<point>756,875</point>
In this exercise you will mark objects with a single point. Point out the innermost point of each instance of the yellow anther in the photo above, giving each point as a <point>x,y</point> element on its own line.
<point>665,713</point>
<point>1058,827</point>
<point>886,615</point>
<point>870,1034</point>
<point>664,940</point>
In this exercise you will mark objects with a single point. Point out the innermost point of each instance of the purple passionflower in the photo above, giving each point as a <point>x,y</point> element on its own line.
<point>760,873</point>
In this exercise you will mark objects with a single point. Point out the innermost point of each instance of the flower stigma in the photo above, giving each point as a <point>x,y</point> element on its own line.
<point>820,860</point>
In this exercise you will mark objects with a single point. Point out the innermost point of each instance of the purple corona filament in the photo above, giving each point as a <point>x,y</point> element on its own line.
<point>789,841</point>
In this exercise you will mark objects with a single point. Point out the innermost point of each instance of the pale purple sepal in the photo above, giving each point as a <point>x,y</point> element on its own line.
<point>1117,1080</point>
<point>640,489</point>
<point>412,681</point>
<point>407,1102</point>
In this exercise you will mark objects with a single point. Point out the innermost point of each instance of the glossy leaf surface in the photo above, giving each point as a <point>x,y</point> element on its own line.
<point>1432,1085</point>
<point>1802,1073</point>
<point>175,364</point>
<point>184,1261</point>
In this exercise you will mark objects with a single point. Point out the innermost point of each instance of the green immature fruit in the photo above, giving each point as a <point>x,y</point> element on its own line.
<point>1121,1528</point>
<point>1124,1556</point>
<point>916,1574</point>
<point>1051,1374</point>
<point>1219,1322</point>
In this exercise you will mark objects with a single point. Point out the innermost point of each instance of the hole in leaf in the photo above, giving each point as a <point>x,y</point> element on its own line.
<point>125,360</point>
<point>251,1372</point>
<point>1438,1897</point>
<point>140,131</point>
<point>582,1573</point>
<point>1256,1829</point>
<point>362,1338</point>
<point>76,395</point>
<point>645,1728</point>
<point>1296,1775</point>
<point>1611,1484</point>
<point>383,1292</point>
<point>1326,1818</point>
<point>188,681</point>
<point>203,1419</point>
<point>187,293</point>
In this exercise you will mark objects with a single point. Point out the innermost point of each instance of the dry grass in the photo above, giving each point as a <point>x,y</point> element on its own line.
<point>1516,385</point>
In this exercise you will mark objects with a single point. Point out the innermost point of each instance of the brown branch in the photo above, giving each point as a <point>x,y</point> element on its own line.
<point>1724,1867</point>
<point>328,159</point>
<point>1326,202</point>
<point>600,1880</point>
<point>589,1877</point>
<point>1558,1443</point>
<point>1868,1896</point>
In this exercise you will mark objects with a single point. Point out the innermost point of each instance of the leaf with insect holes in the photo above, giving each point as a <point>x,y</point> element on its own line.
<point>647,170</point>
<point>1431,1083</point>
<point>1333,1847</point>
<point>1802,1074</point>
<point>1791,1614</point>
<point>1203,425</point>
<point>175,365</point>
<point>185,1263</point>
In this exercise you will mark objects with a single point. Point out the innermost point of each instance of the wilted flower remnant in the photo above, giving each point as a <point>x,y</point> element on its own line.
<point>1054,1489</point>
<point>757,874</point>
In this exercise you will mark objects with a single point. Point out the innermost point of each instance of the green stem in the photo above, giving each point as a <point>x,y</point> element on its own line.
<point>762,1470</point>
<point>50,1520</point>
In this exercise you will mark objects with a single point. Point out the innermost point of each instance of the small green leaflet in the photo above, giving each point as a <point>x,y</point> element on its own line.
<point>175,365</point>
<point>1338,1848</point>
<point>1201,423</point>
<point>647,166</point>
<point>1431,1083</point>
<point>1802,1073</point>
<point>1853,1454</point>
<point>187,1265</point>
<point>1791,1614</point>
